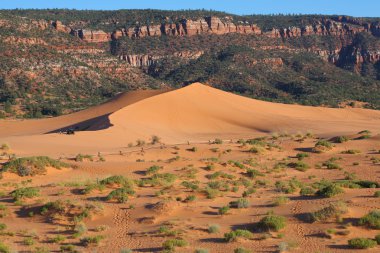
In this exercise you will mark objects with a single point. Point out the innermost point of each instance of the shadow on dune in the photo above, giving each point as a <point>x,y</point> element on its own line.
<point>94,124</point>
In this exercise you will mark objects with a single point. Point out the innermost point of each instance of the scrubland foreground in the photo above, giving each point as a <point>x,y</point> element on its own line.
<point>215,192</point>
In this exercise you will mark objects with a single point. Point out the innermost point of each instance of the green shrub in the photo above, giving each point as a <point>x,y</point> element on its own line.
<point>239,233</point>
<point>242,250</point>
<point>214,228</point>
<point>377,239</point>
<point>329,191</point>
<point>240,203</point>
<point>307,191</point>
<point>256,150</point>
<point>371,220</point>
<point>120,195</point>
<point>301,156</point>
<point>361,243</point>
<point>252,173</point>
<point>341,139</point>
<point>117,180</point>
<point>68,248</point>
<point>351,151</point>
<point>31,166</point>
<point>377,194</point>
<point>282,200</point>
<point>201,251</point>
<point>334,210</point>
<point>92,240</point>
<point>4,248</point>
<point>322,146</point>
<point>218,141</point>
<point>153,169</point>
<point>299,165</point>
<point>171,244</point>
<point>29,241</point>
<point>223,210</point>
<point>272,222</point>
<point>81,158</point>
<point>25,193</point>
<point>193,149</point>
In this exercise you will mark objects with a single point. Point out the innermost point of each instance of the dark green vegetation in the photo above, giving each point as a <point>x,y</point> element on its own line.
<point>31,166</point>
<point>45,72</point>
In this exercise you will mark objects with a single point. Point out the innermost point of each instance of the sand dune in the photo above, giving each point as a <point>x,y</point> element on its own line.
<point>194,113</point>
<point>86,118</point>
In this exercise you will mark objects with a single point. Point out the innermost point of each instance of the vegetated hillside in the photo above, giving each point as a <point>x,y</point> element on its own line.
<point>59,61</point>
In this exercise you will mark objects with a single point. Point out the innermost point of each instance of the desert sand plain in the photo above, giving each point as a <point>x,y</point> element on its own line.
<point>197,169</point>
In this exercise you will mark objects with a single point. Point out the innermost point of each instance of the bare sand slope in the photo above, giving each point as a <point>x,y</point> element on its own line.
<point>200,113</point>
<point>87,118</point>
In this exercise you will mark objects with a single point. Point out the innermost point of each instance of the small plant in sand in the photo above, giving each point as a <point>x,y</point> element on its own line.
<point>341,139</point>
<point>307,191</point>
<point>302,156</point>
<point>218,141</point>
<point>252,173</point>
<point>4,248</point>
<point>31,166</point>
<point>242,250</point>
<point>171,244</point>
<point>68,248</point>
<point>4,147</point>
<point>299,165</point>
<point>201,251</point>
<point>329,191</point>
<point>272,222</point>
<point>223,210</point>
<point>351,151</point>
<point>322,146</point>
<point>193,186</point>
<point>334,210</point>
<point>120,195</point>
<point>25,193</point>
<point>193,149</point>
<point>377,239</point>
<point>92,240</point>
<point>140,143</point>
<point>377,194</point>
<point>239,204</point>
<point>213,228</point>
<point>155,139</point>
<point>361,243</point>
<point>239,233</point>
<point>281,200</point>
<point>83,157</point>
<point>153,169</point>
<point>371,220</point>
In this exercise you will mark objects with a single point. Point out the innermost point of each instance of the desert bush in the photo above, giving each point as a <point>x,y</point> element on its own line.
<point>171,244</point>
<point>120,195</point>
<point>155,139</point>
<point>329,191</point>
<point>272,222</point>
<point>242,250</point>
<point>322,146</point>
<point>3,226</point>
<point>28,241</point>
<point>201,251</point>
<point>83,157</point>
<point>193,149</point>
<point>153,169</point>
<point>223,210</point>
<point>118,180</point>
<point>92,240</point>
<point>240,203</point>
<point>218,141</point>
<point>377,239</point>
<point>191,185</point>
<point>239,233</point>
<point>140,143</point>
<point>68,248</point>
<point>58,239</point>
<point>301,156</point>
<point>341,139</point>
<point>371,220</point>
<point>25,193</point>
<point>248,192</point>
<point>299,165</point>
<point>256,150</point>
<point>213,229</point>
<point>252,173</point>
<point>31,166</point>
<point>282,200</point>
<point>377,194</point>
<point>351,151</point>
<point>307,191</point>
<point>4,248</point>
<point>361,243</point>
<point>334,210</point>
<point>164,179</point>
